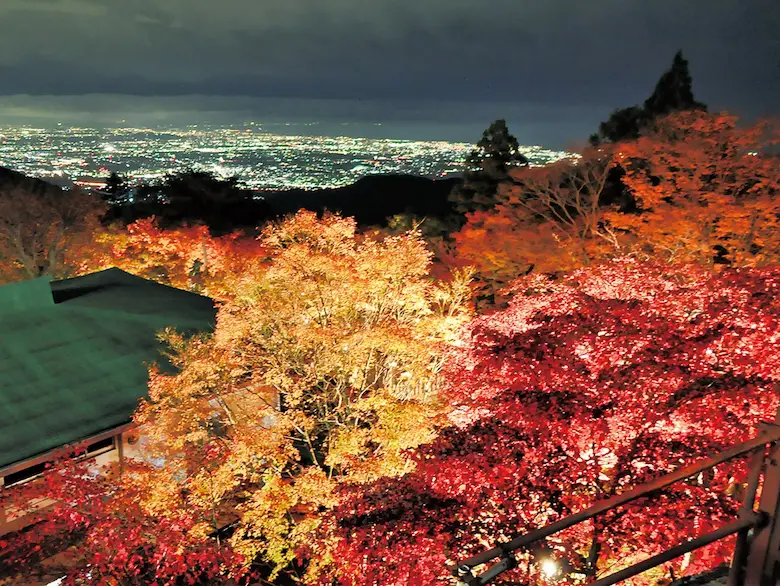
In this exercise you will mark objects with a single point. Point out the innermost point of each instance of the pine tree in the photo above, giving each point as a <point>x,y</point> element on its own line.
<point>488,165</point>
<point>672,93</point>
<point>116,187</point>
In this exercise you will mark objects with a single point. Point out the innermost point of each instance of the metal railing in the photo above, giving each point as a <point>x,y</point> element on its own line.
<point>757,550</point>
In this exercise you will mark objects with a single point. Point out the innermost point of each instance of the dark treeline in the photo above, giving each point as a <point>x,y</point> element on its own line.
<point>224,205</point>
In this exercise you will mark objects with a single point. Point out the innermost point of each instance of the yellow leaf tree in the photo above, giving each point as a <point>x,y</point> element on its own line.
<point>323,370</point>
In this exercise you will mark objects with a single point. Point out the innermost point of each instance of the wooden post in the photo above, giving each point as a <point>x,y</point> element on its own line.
<point>763,556</point>
<point>120,450</point>
<point>741,547</point>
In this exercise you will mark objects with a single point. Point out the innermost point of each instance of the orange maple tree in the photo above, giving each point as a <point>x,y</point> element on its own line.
<point>705,189</point>
<point>186,257</point>
<point>693,187</point>
<point>549,219</point>
<point>47,231</point>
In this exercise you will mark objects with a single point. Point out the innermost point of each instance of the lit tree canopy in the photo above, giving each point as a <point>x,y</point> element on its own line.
<point>705,189</point>
<point>324,370</point>
<point>583,387</point>
<point>695,188</point>
<point>186,257</point>
<point>46,230</point>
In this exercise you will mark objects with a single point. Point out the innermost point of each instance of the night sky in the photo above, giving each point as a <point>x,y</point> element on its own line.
<point>553,68</point>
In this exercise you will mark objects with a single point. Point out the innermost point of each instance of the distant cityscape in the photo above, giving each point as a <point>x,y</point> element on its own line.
<point>86,156</point>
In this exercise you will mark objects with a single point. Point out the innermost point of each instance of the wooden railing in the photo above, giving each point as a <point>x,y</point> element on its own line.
<point>757,551</point>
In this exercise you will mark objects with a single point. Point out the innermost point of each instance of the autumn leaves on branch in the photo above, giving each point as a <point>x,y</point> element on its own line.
<point>694,187</point>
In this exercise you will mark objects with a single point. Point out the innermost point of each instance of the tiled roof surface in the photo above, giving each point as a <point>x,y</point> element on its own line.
<point>74,354</point>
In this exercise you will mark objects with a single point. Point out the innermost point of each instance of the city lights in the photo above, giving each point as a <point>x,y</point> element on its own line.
<point>261,160</point>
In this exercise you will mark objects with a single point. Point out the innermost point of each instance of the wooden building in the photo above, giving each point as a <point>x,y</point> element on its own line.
<point>74,358</point>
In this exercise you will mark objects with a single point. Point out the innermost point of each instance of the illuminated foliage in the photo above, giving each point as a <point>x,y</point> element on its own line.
<point>310,424</point>
<point>705,191</point>
<point>46,231</point>
<point>105,532</point>
<point>323,370</point>
<point>187,257</point>
<point>585,386</point>
<point>548,219</point>
<point>695,189</point>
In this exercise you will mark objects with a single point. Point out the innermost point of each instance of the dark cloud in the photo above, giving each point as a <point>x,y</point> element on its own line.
<point>562,54</point>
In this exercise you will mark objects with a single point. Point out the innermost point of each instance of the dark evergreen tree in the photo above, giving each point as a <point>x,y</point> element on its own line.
<point>196,195</point>
<point>116,188</point>
<point>672,93</point>
<point>487,166</point>
<point>623,124</point>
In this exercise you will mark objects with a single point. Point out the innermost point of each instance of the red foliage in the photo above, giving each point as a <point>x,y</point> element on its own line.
<point>102,534</point>
<point>584,387</point>
<point>187,257</point>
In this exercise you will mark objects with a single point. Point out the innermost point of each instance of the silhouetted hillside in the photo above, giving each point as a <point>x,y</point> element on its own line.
<point>372,199</point>
<point>10,179</point>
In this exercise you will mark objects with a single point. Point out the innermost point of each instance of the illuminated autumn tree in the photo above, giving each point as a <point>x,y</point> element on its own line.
<point>547,219</point>
<point>694,187</point>
<point>97,530</point>
<point>705,190</point>
<point>323,370</point>
<point>186,257</point>
<point>45,230</point>
<point>586,386</point>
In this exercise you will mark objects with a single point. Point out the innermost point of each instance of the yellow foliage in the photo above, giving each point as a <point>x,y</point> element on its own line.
<point>323,369</point>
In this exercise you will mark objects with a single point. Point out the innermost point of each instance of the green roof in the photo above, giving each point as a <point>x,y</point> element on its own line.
<point>74,354</point>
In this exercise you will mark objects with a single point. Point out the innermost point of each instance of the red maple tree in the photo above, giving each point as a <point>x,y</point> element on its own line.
<point>585,386</point>
<point>90,529</point>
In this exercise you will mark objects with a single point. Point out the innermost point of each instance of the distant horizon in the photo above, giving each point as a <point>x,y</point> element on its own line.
<point>533,124</point>
<point>259,127</point>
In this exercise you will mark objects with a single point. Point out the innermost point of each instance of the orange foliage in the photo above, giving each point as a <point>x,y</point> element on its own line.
<point>186,257</point>
<point>549,219</point>
<point>46,231</point>
<point>699,183</point>
<point>704,191</point>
